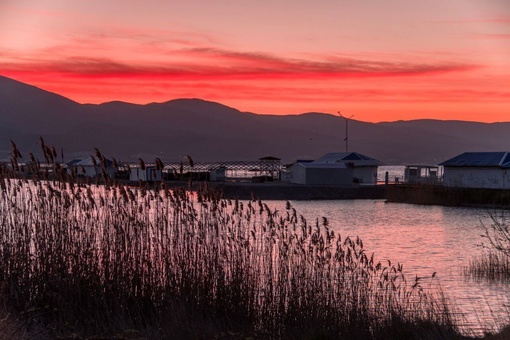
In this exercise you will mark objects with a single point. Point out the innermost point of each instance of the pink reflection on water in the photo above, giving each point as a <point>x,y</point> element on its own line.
<point>426,240</point>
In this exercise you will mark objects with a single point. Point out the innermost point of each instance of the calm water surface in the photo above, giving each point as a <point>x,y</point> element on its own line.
<point>425,239</point>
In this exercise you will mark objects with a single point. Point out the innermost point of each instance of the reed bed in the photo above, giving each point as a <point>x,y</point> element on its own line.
<point>491,266</point>
<point>88,260</point>
<point>494,263</point>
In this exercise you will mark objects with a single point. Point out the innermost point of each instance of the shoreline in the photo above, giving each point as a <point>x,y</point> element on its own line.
<point>401,193</point>
<point>295,192</point>
<point>449,196</point>
<point>421,194</point>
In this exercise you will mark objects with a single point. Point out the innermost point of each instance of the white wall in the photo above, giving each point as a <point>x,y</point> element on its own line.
<point>217,175</point>
<point>320,176</point>
<point>298,174</point>
<point>149,174</point>
<point>91,171</point>
<point>154,174</point>
<point>490,178</point>
<point>366,175</point>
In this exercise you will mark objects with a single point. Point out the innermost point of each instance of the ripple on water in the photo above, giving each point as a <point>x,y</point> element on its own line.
<point>426,239</point>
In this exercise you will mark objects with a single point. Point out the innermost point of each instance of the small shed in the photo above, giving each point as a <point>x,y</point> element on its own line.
<point>218,174</point>
<point>150,174</point>
<point>364,167</point>
<point>478,170</point>
<point>286,172</point>
<point>321,174</point>
<point>422,174</point>
<point>91,167</point>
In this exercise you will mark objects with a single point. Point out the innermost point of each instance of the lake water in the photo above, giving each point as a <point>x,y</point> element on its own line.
<point>425,239</point>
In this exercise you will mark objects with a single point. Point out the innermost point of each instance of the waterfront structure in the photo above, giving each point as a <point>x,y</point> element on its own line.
<point>478,170</point>
<point>270,168</point>
<point>90,167</point>
<point>364,167</point>
<point>264,169</point>
<point>422,174</point>
<point>218,174</point>
<point>311,173</point>
<point>150,174</point>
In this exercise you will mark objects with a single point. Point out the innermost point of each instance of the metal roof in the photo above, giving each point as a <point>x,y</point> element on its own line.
<point>348,157</point>
<point>422,166</point>
<point>88,162</point>
<point>479,159</point>
<point>73,162</point>
<point>314,165</point>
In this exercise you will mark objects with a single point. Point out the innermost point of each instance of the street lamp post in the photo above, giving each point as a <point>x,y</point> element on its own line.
<point>346,139</point>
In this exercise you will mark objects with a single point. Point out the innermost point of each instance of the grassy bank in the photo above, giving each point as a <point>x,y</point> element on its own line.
<point>84,260</point>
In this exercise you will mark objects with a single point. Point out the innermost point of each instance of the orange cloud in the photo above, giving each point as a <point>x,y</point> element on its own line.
<point>205,63</point>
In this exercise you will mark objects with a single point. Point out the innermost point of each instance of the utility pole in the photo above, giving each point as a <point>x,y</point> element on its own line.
<point>346,139</point>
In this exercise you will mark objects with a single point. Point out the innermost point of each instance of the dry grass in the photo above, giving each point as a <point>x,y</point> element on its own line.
<point>494,263</point>
<point>491,265</point>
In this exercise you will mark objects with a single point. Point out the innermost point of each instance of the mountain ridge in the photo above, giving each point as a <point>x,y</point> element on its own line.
<point>211,131</point>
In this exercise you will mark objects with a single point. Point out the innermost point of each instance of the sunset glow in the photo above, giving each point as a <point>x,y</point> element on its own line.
<point>399,60</point>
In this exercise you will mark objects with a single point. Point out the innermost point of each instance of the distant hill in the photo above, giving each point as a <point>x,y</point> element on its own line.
<point>209,131</point>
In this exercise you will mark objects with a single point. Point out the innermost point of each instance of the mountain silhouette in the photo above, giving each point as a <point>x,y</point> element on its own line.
<point>209,131</point>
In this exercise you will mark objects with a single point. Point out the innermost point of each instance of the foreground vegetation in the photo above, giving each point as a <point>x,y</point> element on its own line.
<point>86,260</point>
<point>494,263</point>
<point>490,265</point>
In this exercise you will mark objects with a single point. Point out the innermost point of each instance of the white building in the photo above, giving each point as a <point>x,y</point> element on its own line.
<point>478,170</point>
<point>218,174</point>
<point>364,167</point>
<point>149,174</point>
<point>422,174</point>
<point>91,167</point>
<point>321,174</point>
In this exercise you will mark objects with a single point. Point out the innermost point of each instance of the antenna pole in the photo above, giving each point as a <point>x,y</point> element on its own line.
<point>346,139</point>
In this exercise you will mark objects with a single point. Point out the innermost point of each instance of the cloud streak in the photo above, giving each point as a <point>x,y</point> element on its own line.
<point>208,63</point>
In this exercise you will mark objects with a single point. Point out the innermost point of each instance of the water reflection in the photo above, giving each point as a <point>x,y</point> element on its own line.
<point>426,239</point>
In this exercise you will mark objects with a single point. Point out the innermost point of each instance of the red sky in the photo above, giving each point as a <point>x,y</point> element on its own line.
<point>378,61</point>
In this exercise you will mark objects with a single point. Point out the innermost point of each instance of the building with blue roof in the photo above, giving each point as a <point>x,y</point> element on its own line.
<point>311,173</point>
<point>364,167</point>
<point>91,167</point>
<point>489,170</point>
